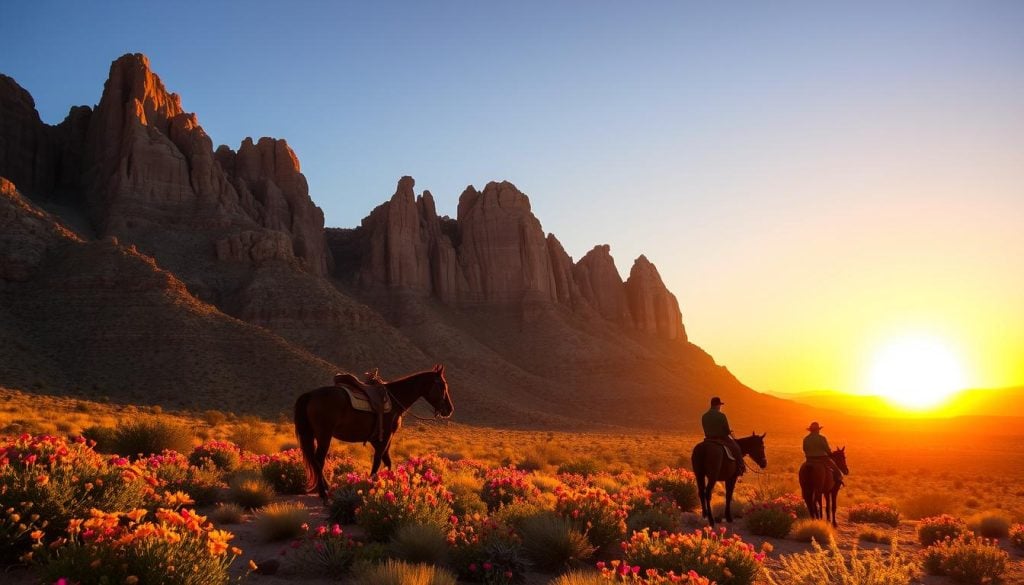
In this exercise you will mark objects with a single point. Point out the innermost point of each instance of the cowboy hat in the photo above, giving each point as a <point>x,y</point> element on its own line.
<point>716,401</point>
<point>815,427</point>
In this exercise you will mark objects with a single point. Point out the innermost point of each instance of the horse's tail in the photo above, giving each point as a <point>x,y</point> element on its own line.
<point>304,434</point>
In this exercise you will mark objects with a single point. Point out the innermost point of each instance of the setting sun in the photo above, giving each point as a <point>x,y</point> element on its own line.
<point>916,372</point>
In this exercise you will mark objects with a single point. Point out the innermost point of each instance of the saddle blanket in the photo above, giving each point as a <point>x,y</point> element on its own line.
<point>360,402</point>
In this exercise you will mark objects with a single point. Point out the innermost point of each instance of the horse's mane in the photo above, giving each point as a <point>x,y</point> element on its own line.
<point>409,377</point>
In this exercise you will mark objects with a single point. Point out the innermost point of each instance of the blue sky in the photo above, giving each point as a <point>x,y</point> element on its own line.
<point>779,162</point>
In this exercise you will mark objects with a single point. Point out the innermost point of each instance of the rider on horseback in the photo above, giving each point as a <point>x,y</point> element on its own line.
<point>818,452</point>
<point>716,429</point>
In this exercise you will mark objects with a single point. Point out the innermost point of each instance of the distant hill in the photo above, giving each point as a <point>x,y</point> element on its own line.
<point>139,263</point>
<point>992,402</point>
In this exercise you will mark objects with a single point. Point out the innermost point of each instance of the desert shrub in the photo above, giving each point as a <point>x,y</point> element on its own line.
<point>593,511</point>
<point>740,505</point>
<point>286,471</point>
<point>504,485</point>
<point>679,485</point>
<point>581,466</point>
<point>172,470</point>
<point>399,497</point>
<point>937,528</point>
<point>656,514</point>
<point>545,483</point>
<point>223,455</point>
<point>346,496</point>
<point>399,573</point>
<point>420,543</point>
<point>872,513</point>
<point>829,567</point>
<point>281,521</point>
<point>176,548</point>
<point>926,504</point>
<point>769,519</point>
<point>465,489</point>
<point>552,543</point>
<point>516,513</point>
<point>215,418</point>
<point>726,560</point>
<point>966,559</point>
<point>487,551</point>
<point>146,436</point>
<point>65,479</point>
<point>228,513</point>
<point>623,573</point>
<point>875,535</point>
<point>1017,535</point>
<point>806,529</point>
<point>324,552</point>
<point>20,528</point>
<point>990,524</point>
<point>252,437</point>
<point>103,438</point>
<point>250,491</point>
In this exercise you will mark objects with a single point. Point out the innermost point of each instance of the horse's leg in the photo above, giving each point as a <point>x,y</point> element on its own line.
<point>323,444</point>
<point>730,484</point>
<point>712,480</point>
<point>378,455</point>
<point>701,487</point>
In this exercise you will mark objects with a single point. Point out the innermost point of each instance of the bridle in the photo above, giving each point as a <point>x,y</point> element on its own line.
<point>407,408</point>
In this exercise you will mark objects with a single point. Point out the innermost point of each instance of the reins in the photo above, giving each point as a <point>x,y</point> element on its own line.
<point>408,408</point>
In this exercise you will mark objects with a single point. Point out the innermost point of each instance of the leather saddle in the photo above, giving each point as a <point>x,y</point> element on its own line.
<point>357,395</point>
<point>725,447</point>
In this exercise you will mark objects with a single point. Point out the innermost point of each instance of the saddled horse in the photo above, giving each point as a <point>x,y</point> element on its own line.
<point>817,482</point>
<point>327,413</point>
<point>711,465</point>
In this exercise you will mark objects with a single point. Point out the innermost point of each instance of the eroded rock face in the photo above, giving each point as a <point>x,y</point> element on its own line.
<point>654,309</point>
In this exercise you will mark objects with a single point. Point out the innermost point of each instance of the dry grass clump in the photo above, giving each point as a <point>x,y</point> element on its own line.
<point>545,483</point>
<point>828,567</point>
<point>152,435</point>
<point>227,513</point>
<point>876,535</point>
<point>252,437</point>
<point>990,524</point>
<point>250,491</point>
<point>807,529</point>
<point>580,578</point>
<point>400,573</point>
<point>281,521</point>
<point>552,543</point>
<point>580,466</point>
<point>420,543</point>
<point>465,489</point>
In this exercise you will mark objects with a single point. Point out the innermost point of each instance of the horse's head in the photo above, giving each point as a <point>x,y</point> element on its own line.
<point>839,456</point>
<point>754,446</point>
<point>438,395</point>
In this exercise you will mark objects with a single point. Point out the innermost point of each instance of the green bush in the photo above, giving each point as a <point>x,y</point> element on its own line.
<point>420,543</point>
<point>966,559</point>
<point>829,567</point>
<point>769,519</point>
<point>874,514</point>
<point>203,484</point>
<point>655,514</point>
<point>679,485</point>
<point>806,529</point>
<point>400,573</point>
<point>286,471</point>
<point>346,496</point>
<point>594,511</point>
<point>990,524</point>
<point>399,497</point>
<point>281,521</point>
<point>152,435</point>
<point>484,550</point>
<point>938,528</point>
<point>552,543</point>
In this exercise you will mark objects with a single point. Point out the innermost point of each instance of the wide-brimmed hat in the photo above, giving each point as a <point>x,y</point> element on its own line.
<point>815,427</point>
<point>716,401</point>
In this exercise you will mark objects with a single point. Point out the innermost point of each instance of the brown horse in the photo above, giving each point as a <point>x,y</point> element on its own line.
<point>817,483</point>
<point>327,413</point>
<point>711,466</point>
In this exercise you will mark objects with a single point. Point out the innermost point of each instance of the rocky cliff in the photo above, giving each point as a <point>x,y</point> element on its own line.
<point>162,258</point>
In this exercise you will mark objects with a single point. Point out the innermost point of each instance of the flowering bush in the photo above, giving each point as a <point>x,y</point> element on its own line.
<point>504,485</point>
<point>174,473</point>
<point>726,560</point>
<point>679,485</point>
<point>654,513</point>
<point>223,455</point>
<point>401,496</point>
<point>937,528</point>
<point>875,514</point>
<point>619,572</point>
<point>178,547</point>
<point>346,496</point>
<point>774,518</point>
<point>286,471</point>
<point>324,552</point>
<point>594,512</point>
<point>485,550</point>
<point>1017,535</point>
<point>18,530</point>
<point>967,559</point>
<point>65,479</point>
